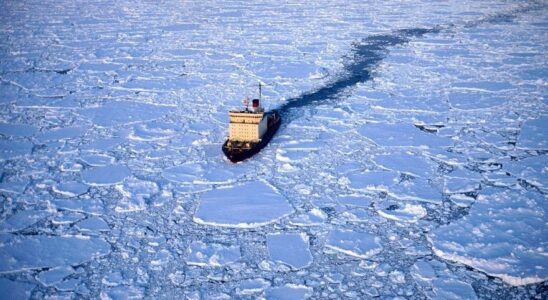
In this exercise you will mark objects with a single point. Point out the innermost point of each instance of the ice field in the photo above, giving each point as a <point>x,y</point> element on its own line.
<point>411,162</point>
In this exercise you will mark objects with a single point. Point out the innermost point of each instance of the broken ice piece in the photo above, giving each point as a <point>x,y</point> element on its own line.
<point>289,248</point>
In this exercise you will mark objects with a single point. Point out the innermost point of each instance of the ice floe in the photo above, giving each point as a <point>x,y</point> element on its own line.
<point>289,248</point>
<point>403,212</point>
<point>402,135</point>
<point>105,175</point>
<point>18,130</point>
<point>114,113</point>
<point>534,134</point>
<point>70,188</point>
<point>248,205</point>
<point>373,180</point>
<point>15,289</point>
<point>211,254</point>
<point>252,286</point>
<point>354,243</point>
<point>22,219</point>
<point>289,292</point>
<point>13,149</point>
<point>19,253</point>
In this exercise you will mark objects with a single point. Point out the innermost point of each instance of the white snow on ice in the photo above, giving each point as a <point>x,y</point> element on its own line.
<point>252,204</point>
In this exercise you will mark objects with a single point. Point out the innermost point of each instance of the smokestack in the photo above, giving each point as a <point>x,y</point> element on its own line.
<point>256,104</point>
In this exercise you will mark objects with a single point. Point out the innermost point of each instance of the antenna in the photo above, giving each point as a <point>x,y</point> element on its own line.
<point>260,91</point>
<point>246,103</point>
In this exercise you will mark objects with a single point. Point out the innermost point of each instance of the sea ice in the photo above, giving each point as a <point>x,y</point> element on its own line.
<point>252,286</point>
<point>249,205</point>
<point>503,236</point>
<point>289,248</point>
<point>17,186</point>
<point>90,206</point>
<point>68,133</point>
<point>211,254</point>
<point>114,113</point>
<point>15,289</point>
<point>135,194</point>
<point>400,212</point>
<point>22,219</point>
<point>13,149</point>
<point>411,164</point>
<point>105,175</point>
<point>18,130</point>
<point>70,188</point>
<point>534,134</point>
<point>354,243</point>
<point>97,160</point>
<point>185,174</point>
<point>314,217</point>
<point>18,253</point>
<point>452,289</point>
<point>54,275</point>
<point>402,135</point>
<point>417,190</point>
<point>360,201</point>
<point>373,180</point>
<point>289,292</point>
<point>93,225</point>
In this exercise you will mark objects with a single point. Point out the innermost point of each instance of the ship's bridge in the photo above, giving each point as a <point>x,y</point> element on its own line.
<point>247,126</point>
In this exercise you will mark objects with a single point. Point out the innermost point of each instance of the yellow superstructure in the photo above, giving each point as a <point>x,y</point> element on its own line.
<point>246,126</point>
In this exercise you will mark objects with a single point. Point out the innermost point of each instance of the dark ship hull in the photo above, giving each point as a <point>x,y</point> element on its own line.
<point>236,151</point>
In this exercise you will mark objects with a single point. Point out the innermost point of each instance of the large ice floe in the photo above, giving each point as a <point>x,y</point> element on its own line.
<point>249,205</point>
<point>35,252</point>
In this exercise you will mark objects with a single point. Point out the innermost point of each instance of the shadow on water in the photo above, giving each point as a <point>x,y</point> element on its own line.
<point>365,55</point>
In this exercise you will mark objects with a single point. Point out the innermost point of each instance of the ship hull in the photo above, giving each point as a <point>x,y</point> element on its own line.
<point>235,154</point>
